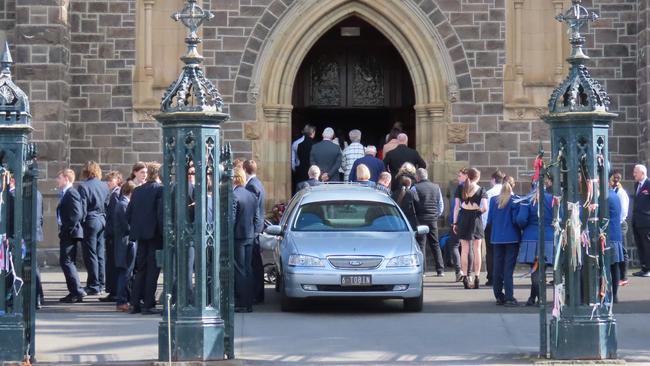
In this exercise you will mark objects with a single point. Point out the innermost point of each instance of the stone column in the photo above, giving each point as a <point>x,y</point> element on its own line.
<point>42,55</point>
<point>277,156</point>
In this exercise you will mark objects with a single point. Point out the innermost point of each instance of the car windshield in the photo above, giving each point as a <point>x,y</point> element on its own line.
<point>349,216</point>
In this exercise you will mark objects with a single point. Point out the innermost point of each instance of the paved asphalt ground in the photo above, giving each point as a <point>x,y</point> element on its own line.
<point>457,327</point>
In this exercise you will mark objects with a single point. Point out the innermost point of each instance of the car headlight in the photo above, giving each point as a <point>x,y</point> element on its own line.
<point>300,260</point>
<point>410,260</point>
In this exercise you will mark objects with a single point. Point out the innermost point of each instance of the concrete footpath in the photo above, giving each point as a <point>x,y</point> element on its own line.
<point>457,327</point>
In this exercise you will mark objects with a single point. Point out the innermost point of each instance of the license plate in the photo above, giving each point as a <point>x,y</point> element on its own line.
<point>356,280</point>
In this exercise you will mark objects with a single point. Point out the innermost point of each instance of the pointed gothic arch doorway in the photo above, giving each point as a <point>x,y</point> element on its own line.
<point>354,78</point>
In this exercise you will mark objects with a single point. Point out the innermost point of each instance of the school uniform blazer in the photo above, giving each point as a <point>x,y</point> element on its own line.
<point>144,212</point>
<point>93,193</point>
<point>614,231</point>
<point>11,197</point>
<point>504,222</point>
<point>641,208</point>
<point>244,212</point>
<point>70,212</point>
<point>111,201</point>
<point>120,232</point>
<point>528,220</point>
<point>256,187</point>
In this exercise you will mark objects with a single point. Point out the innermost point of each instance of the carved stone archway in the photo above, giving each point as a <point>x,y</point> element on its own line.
<point>412,34</point>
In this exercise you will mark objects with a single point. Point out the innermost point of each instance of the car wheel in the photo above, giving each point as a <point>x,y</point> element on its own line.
<point>414,304</point>
<point>287,304</point>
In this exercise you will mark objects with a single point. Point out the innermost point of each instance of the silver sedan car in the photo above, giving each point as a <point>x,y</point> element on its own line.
<point>347,240</point>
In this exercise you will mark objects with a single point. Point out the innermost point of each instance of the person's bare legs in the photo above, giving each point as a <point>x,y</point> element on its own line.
<point>464,256</point>
<point>476,249</point>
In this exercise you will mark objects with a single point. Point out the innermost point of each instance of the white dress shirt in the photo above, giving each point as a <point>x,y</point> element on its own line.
<point>494,191</point>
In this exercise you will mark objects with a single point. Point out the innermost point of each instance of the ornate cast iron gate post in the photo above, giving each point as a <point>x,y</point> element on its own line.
<point>191,117</point>
<point>17,220</point>
<point>583,326</point>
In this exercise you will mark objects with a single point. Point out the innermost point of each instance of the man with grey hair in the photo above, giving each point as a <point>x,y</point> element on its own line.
<point>641,218</point>
<point>314,174</point>
<point>428,209</point>
<point>383,183</point>
<point>402,154</point>
<point>327,156</point>
<point>351,153</point>
<point>376,166</point>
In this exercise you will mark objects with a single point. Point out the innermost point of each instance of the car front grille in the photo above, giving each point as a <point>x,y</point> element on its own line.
<point>338,288</point>
<point>356,262</point>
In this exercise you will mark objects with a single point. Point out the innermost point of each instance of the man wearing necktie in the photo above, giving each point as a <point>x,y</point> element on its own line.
<point>641,218</point>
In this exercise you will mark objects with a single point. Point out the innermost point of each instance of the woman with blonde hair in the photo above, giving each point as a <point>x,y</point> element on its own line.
<point>504,238</point>
<point>468,225</point>
<point>363,175</point>
<point>406,170</point>
<point>93,193</point>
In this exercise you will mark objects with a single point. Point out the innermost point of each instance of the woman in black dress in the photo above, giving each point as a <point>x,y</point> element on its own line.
<point>406,199</point>
<point>468,225</point>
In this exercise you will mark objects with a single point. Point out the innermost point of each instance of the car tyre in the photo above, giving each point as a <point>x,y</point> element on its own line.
<point>414,304</point>
<point>287,304</point>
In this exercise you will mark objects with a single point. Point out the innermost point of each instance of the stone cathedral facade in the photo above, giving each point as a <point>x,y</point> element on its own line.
<point>468,78</point>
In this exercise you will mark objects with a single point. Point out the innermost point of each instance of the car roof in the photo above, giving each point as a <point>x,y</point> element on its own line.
<point>343,191</point>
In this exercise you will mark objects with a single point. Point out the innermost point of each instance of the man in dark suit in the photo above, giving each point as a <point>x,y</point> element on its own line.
<point>113,180</point>
<point>428,208</point>
<point>125,249</point>
<point>376,166</point>
<point>641,218</point>
<point>314,173</point>
<point>144,214</point>
<point>303,151</point>
<point>255,186</point>
<point>69,214</point>
<point>245,211</point>
<point>93,193</point>
<point>402,154</point>
<point>328,156</point>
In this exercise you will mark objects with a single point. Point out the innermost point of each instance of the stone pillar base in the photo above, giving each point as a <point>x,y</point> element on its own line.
<point>578,337</point>
<point>193,340</point>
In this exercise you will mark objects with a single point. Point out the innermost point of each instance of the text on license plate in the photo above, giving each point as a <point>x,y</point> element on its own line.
<point>356,280</point>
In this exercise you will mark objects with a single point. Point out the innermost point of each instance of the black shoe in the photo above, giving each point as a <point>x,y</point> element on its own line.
<point>641,273</point>
<point>500,301</point>
<point>135,311</point>
<point>440,274</point>
<point>39,303</point>
<point>151,311</point>
<point>108,298</point>
<point>511,303</point>
<point>92,291</point>
<point>531,302</point>
<point>243,310</point>
<point>72,299</point>
<point>488,283</point>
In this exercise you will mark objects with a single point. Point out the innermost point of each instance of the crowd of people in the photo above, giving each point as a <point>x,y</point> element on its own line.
<point>496,218</point>
<point>118,225</point>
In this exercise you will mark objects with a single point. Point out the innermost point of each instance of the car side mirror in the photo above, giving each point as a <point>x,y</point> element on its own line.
<point>422,229</point>
<point>274,230</point>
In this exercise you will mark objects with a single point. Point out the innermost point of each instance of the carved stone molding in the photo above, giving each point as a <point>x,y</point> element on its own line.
<point>452,92</point>
<point>252,130</point>
<point>145,115</point>
<point>277,113</point>
<point>457,133</point>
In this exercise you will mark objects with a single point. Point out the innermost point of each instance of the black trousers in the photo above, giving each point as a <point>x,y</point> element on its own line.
<point>146,275</point>
<point>67,258</point>
<point>489,253</point>
<point>123,276</point>
<point>258,272</point>
<point>642,240</point>
<point>111,271</point>
<point>244,285</point>
<point>431,242</point>
<point>94,252</point>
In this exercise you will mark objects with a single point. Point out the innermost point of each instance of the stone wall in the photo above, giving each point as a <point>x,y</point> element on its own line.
<point>7,15</point>
<point>643,80</point>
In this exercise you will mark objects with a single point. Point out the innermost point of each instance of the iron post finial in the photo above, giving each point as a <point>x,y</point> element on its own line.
<point>192,16</point>
<point>576,17</point>
<point>6,61</point>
